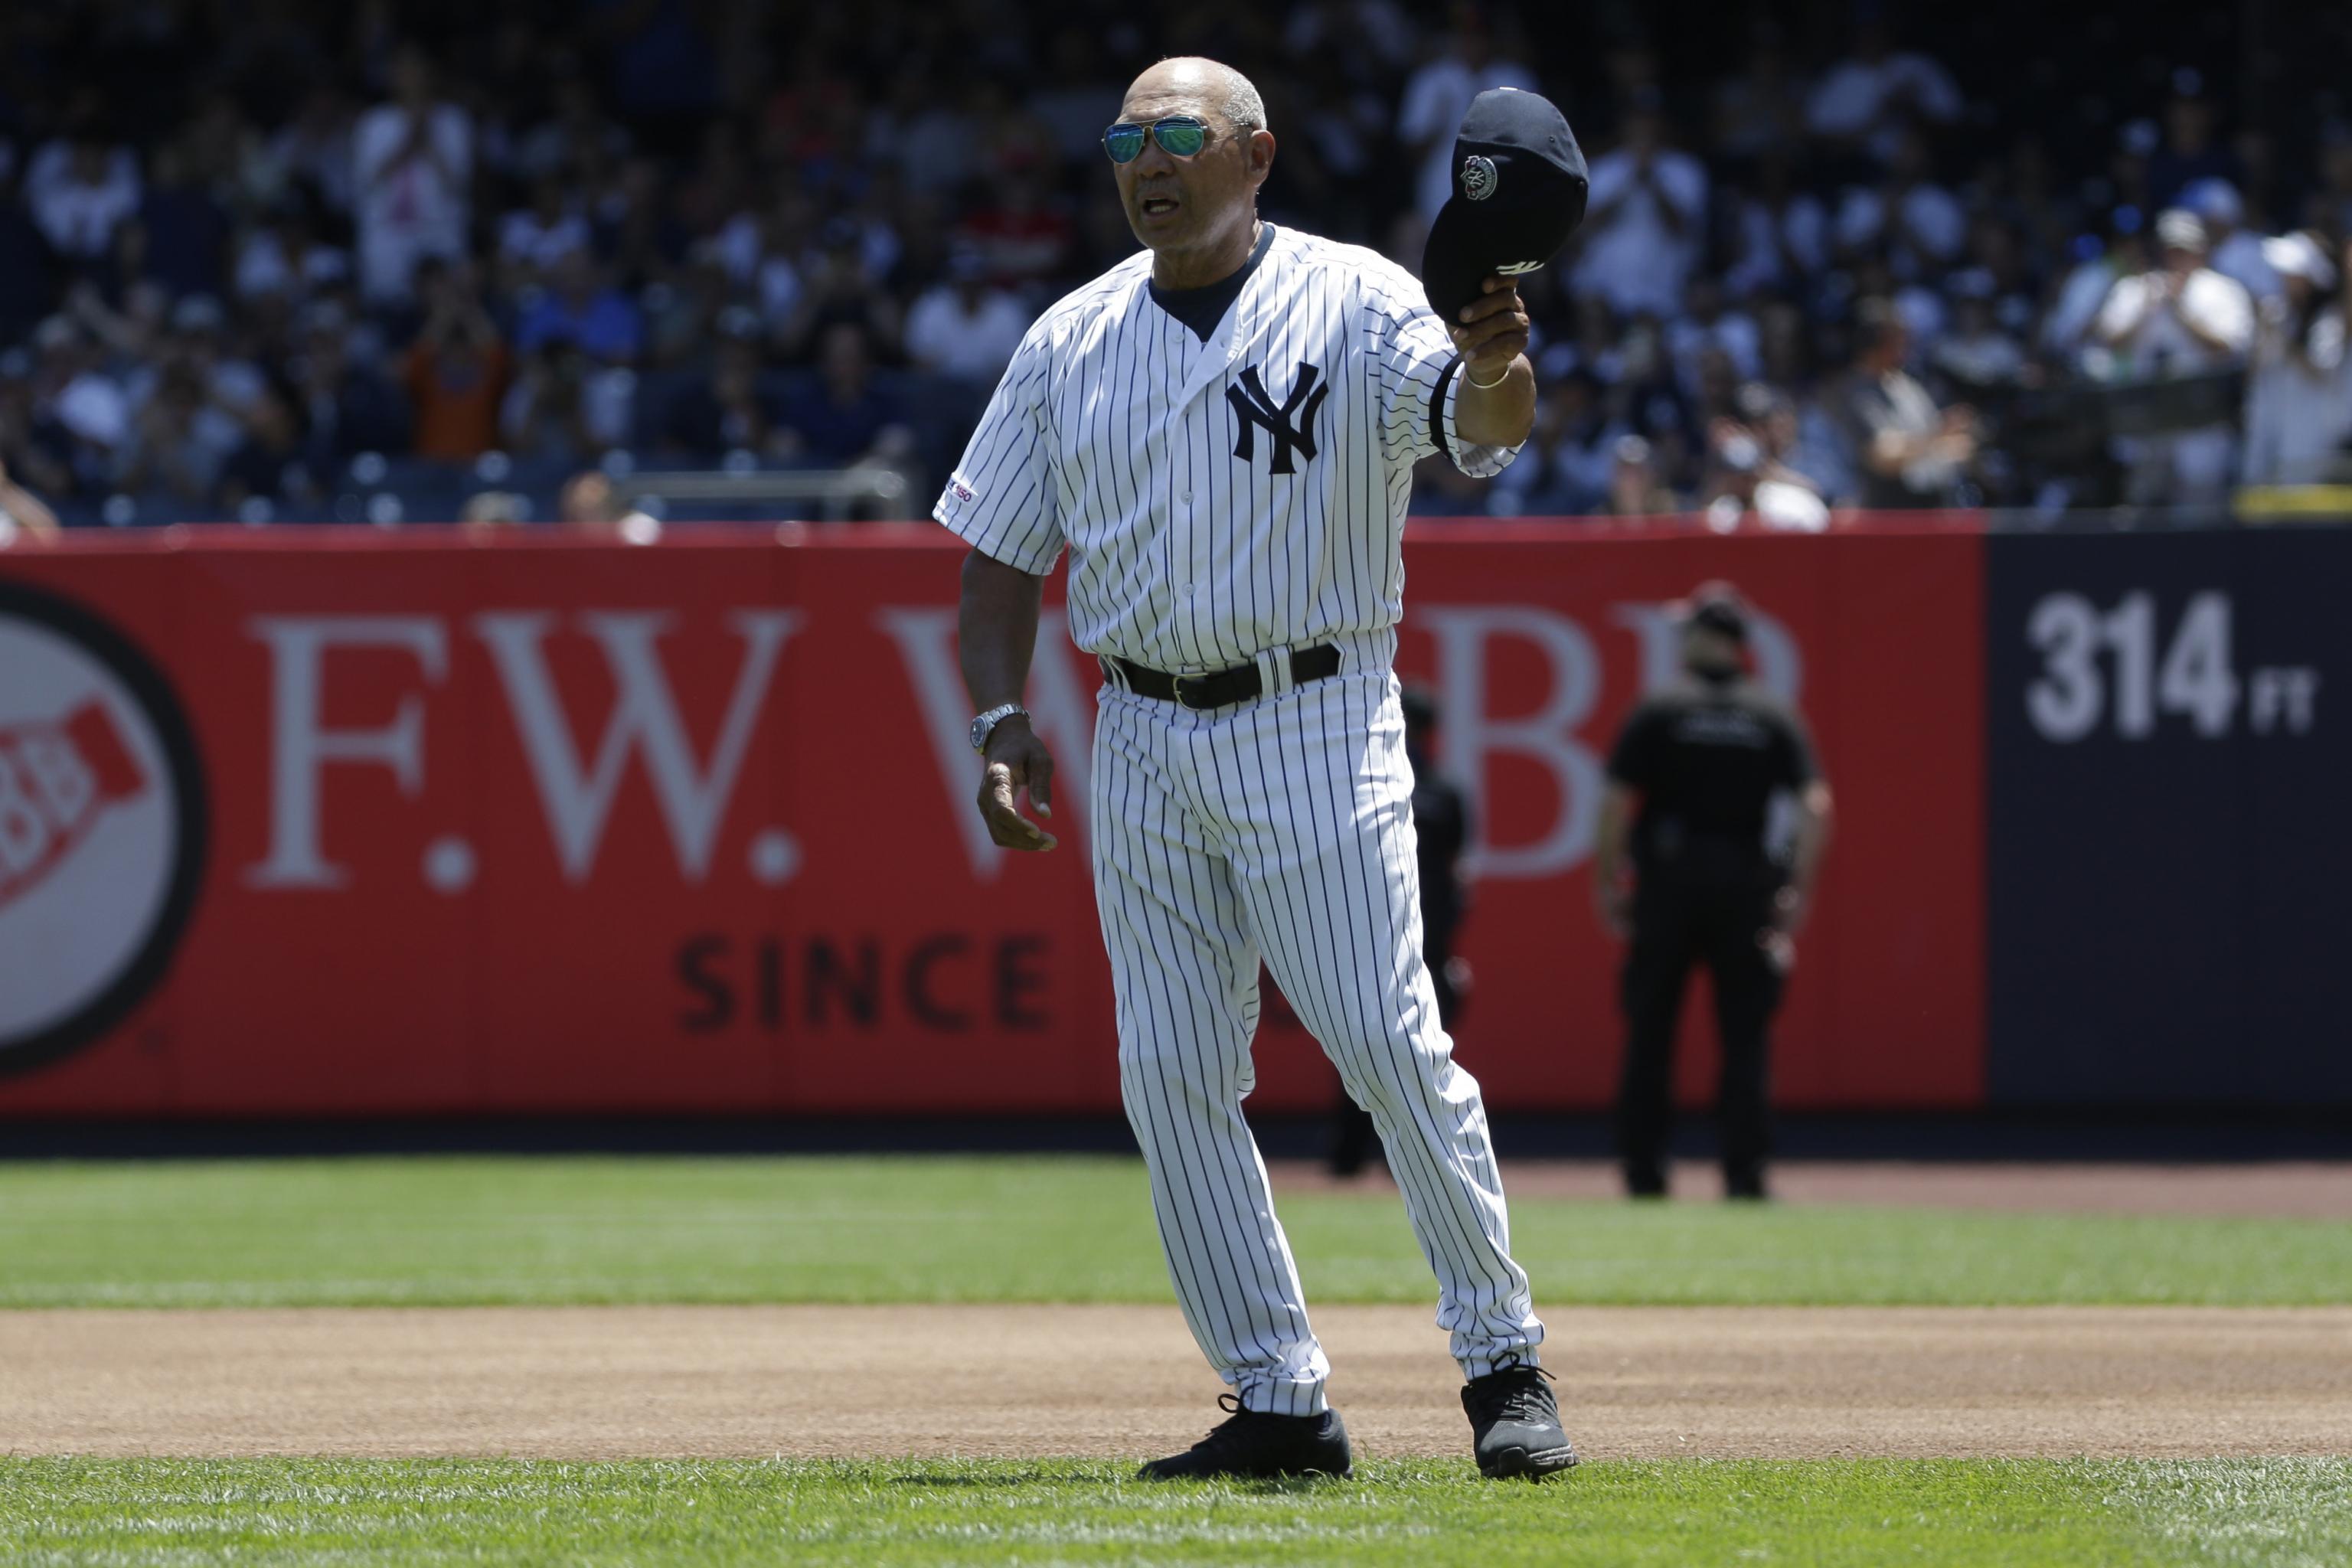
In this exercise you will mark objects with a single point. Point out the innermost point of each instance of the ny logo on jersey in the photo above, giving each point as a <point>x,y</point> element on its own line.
<point>1291,425</point>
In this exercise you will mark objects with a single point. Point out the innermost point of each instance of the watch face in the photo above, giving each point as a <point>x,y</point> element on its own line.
<point>985,725</point>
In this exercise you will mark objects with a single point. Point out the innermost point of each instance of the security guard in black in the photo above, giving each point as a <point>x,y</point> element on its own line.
<point>1704,760</point>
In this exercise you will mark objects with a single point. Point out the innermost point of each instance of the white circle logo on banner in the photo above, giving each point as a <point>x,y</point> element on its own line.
<point>101,827</point>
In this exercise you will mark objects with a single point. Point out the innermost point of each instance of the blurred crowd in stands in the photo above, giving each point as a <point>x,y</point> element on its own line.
<point>282,260</point>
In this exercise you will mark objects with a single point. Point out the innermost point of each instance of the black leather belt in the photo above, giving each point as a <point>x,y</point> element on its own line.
<point>1222,688</point>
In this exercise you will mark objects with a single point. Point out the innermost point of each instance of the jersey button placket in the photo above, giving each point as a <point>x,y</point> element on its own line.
<point>1182,516</point>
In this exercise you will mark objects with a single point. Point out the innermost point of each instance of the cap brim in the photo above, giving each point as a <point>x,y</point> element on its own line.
<point>1709,603</point>
<point>1452,270</point>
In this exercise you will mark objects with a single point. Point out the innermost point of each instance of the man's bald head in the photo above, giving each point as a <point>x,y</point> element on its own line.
<point>1203,84</point>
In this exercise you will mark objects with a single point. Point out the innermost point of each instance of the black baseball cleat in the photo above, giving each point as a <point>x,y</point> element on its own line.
<point>1250,1443</point>
<point>1515,1423</point>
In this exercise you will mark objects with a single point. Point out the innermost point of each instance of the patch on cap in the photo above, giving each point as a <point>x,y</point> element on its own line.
<point>1478,177</point>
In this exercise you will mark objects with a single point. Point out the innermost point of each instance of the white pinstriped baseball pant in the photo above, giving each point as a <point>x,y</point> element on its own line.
<point>1282,827</point>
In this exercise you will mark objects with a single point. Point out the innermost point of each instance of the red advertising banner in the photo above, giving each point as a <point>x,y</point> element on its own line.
<point>348,822</point>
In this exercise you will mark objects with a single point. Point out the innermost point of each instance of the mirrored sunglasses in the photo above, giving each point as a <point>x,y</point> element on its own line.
<point>1179,135</point>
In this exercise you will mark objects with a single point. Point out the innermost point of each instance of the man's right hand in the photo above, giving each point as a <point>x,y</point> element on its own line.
<point>1613,905</point>
<point>1017,760</point>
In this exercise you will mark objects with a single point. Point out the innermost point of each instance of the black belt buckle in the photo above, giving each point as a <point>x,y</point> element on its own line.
<point>1176,689</point>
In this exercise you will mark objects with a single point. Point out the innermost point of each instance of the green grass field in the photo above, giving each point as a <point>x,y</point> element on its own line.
<point>2275,1513</point>
<point>472,1231</point>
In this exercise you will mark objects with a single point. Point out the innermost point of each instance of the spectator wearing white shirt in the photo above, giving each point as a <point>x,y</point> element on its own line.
<point>2231,250</point>
<point>79,191</point>
<point>2182,318</point>
<point>1645,220</point>
<point>1865,102</point>
<point>2299,395</point>
<point>963,329</point>
<point>89,409</point>
<point>1920,225</point>
<point>413,166</point>
<point>1436,98</point>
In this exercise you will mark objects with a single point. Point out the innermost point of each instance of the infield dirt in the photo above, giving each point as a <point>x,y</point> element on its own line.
<point>941,1381</point>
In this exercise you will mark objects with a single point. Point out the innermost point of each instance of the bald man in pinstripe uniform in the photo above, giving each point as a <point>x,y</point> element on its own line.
<point>1221,431</point>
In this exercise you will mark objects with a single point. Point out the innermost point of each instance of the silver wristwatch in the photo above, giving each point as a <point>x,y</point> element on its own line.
<point>985,724</point>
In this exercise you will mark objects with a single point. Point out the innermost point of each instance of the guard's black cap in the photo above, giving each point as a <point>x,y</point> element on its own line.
<point>1519,187</point>
<point>1717,606</point>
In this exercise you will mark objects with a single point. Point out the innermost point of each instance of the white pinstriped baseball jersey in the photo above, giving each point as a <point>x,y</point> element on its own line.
<point>1226,497</point>
<point>1224,493</point>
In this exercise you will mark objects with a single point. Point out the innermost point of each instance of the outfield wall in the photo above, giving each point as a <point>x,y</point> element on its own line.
<point>346,821</point>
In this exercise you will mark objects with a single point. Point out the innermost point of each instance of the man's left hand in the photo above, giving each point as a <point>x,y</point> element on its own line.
<point>1492,333</point>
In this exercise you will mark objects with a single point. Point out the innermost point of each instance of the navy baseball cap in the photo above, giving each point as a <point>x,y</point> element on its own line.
<point>1519,185</point>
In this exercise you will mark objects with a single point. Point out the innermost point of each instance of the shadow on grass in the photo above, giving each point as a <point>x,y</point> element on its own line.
<point>1000,1480</point>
